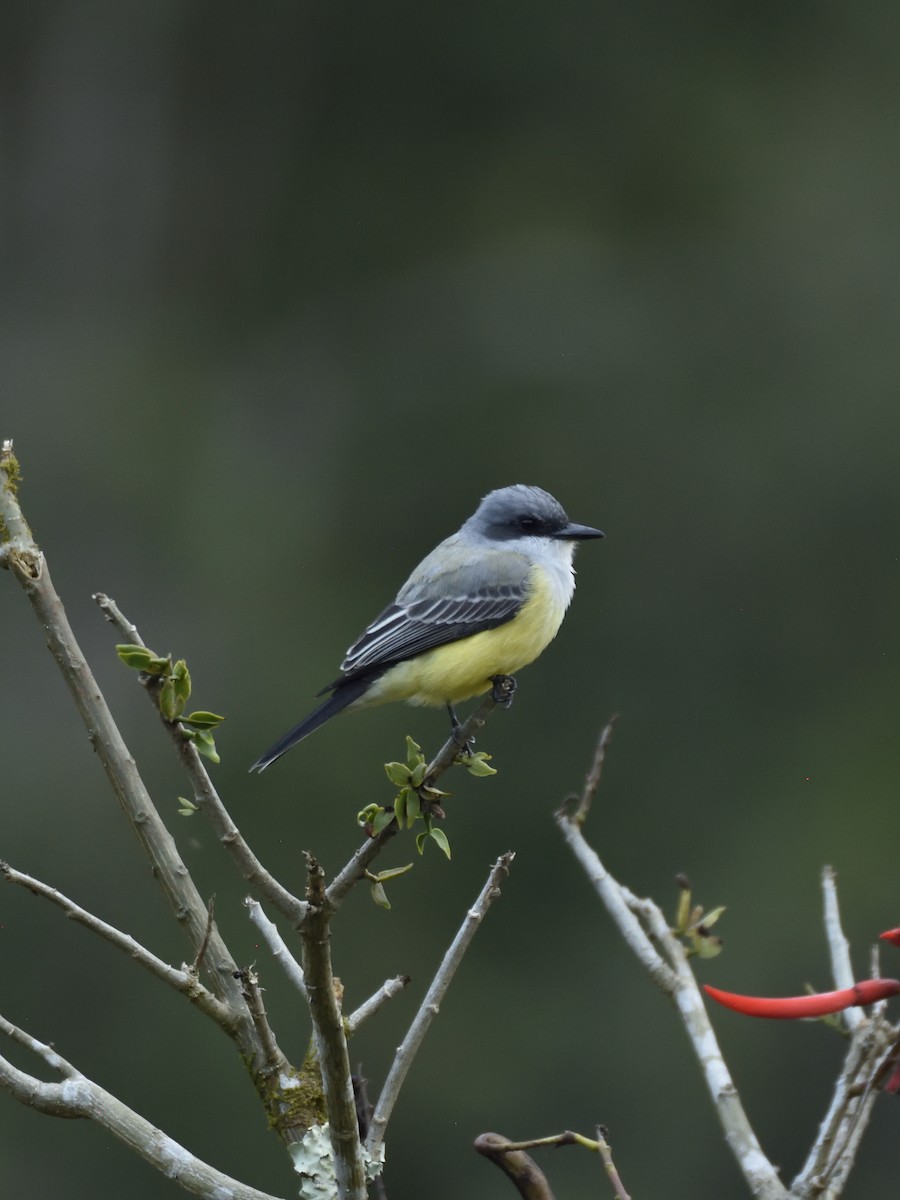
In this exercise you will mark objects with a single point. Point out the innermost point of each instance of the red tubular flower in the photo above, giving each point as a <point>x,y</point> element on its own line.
<point>819,1004</point>
<point>891,935</point>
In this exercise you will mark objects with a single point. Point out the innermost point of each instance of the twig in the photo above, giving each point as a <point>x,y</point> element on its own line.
<point>271,935</point>
<point>363,1117</point>
<point>431,1004</point>
<point>275,1062</point>
<point>450,751</point>
<point>197,964</point>
<point>608,1164</point>
<point>29,567</point>
<point>205,794</point>
<point>592,779</point>
<point>873,1046</point>
<point>210,804</point>
<point>620,909</point>
<point>368,1008</point>
<point>523,1171</point>
<point>676,980</point>
<point>184,981</point>
<point>838,946</point>
<point>555,1140</point>
<point>519,1167</point>
<point>494,1146</point>
<point>824,1174</point>
<point>331,1042</point>
<point>78,1096</point>
<point>14,529</point>
<point>355,869</point>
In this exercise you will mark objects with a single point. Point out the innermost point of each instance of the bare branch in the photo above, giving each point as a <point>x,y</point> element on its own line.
<point>609,1166</point>
<point>870,1055</point>
<point>330,1039</point>
<point>839,947</point>
<point>197,964</point>
<point>355,870</point>
<point>529,1180</point>
<point>275,1062</point>
<point>431,1004</point>
<point>29,567</point>
<point>676,979</point>
<point>51,1057</point>
<point>368,1008</point>
<point>869,1058</point>
<point>592,779</point>
<point>555,1140</point>
<point>14,530</point>
<point>363,1117</point>
<point>80,1097</point>
<point>205,794</point>
<point>184,981</point>
<point>271,935</point>
<point>619,907</point>
<point>828,1164</point>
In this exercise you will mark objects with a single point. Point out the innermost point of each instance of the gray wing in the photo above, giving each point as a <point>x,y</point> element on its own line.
<point>411,626</point>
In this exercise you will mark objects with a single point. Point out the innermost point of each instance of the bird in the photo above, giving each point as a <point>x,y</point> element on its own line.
<point>483,604</point>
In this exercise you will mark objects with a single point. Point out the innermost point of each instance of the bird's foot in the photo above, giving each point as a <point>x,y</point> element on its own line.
<point>465,744</point>
<point>503,690</point>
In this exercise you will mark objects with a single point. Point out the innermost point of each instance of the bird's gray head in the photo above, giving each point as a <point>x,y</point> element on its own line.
<point>523,511</point>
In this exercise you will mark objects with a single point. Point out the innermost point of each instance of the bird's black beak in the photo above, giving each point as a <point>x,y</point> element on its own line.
<point>577,533</point>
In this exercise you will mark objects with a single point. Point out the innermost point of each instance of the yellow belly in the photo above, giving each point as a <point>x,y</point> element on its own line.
<point>451,673</point>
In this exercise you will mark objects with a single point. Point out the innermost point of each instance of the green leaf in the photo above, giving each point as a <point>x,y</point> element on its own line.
<point>186,808</point>
<point>391,873</point>
<point>477,764</point>
<point>135,656</point>
<point>381,820</point>
<point>368,814</point>
<point>433,793</point>
<point>168,701</point>
<point>379,895</point>
<point>205,743</point>
<point>202,720</point>
<point>413,807</point>
<point>417,775</point>
<point>413,751</point>
<point>181,680</point>
<point>400,807</point>
<point>713,916</point>
<point>683,911</point>
<point>397,773</point>
<point>140,658</point>
<point>706,946</point>
<point>438,835</point>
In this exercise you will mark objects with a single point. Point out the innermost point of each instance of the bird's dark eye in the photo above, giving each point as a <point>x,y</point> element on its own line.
<point>528,523</point>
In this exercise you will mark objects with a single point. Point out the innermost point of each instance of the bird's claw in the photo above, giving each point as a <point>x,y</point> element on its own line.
<point>465,744</point>
<point>503,690</point>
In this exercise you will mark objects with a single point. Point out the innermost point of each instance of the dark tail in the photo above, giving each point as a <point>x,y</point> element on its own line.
<point>344,695</point>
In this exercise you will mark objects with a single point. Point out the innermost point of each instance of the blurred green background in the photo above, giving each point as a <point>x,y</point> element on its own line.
<point>287,288</point>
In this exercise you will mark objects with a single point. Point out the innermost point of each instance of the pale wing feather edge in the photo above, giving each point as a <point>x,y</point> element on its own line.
<point>404,630</point>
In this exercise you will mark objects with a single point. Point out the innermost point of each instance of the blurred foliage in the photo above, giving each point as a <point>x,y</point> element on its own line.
<point>287,289</point>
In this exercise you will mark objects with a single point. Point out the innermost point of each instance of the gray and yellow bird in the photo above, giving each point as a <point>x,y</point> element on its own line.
<point>484,603</point>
